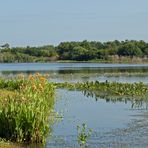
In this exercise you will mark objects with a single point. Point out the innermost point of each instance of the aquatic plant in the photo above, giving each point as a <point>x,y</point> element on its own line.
<point>137,93</point>
<point>83,134</point>
<point>27,103</point>
<point>25,113</point>
<point>11,84</point>
<point>134,90</point>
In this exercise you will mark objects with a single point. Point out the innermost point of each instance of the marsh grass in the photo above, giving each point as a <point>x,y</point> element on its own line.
<point>26,104</point>
<point>10,84</point>
<point>137,93</point>
<point>25,112</point>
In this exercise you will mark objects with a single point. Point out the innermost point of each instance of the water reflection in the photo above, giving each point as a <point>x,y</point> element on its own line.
<point>112,122</point>
<point>90,107</point>
<point>74,72</point>
<point>140,103</point>
<point>80,70</point>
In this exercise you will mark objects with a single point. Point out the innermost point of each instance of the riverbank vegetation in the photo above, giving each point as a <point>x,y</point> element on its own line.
<point>137,93</point>
<point>26,104</point>
<point>128,51</point>
<point>25,108</point>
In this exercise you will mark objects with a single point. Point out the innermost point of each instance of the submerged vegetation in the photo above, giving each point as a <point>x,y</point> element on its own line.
<point>111,51</point>
<point>25,111</point>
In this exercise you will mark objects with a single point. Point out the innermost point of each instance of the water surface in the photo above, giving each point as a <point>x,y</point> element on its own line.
<point>74,72</point>
<point>114,124</point>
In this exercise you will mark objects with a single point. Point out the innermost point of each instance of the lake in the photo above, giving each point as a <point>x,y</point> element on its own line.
<point>74,72</point>
<point>114,124</point>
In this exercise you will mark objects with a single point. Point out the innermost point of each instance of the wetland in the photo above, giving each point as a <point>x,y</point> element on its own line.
<point>111,99</point>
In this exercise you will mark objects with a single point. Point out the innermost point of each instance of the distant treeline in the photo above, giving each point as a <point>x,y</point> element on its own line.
<point>76,51</point>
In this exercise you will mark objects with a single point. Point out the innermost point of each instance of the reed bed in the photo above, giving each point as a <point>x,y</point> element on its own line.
<point>25,108</point>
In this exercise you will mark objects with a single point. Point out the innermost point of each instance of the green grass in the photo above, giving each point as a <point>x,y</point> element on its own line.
<point>135,91</point>
<point>25,111</point>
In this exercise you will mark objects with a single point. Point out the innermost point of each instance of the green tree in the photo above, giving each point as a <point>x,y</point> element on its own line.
<point>79,53</point>
<point>129,49</point>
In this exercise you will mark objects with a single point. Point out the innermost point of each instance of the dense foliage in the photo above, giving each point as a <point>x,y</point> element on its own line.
<point>25,111</point>
<point>79,51</point>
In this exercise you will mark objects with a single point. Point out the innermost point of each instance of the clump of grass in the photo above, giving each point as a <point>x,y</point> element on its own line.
<point>24,115</point>
<point>10,84</point>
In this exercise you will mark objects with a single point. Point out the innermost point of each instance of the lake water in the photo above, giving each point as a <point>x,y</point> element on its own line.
<point>73,72</point>
<point>114,125</point>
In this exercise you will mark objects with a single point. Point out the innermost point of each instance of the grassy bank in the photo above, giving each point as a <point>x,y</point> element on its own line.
<point>25,108</point>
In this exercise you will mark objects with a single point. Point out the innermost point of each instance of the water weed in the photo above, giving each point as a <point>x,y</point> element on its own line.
<point>83,134</point>
<point>130,90</point>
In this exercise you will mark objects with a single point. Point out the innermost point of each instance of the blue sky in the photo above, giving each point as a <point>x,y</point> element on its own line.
<point>41,22</point>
